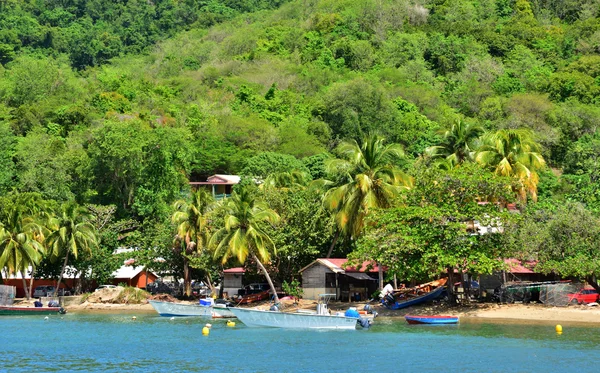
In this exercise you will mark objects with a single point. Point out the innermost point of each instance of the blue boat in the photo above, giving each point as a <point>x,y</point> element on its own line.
<point>422,319</point>
<point>410,297</point>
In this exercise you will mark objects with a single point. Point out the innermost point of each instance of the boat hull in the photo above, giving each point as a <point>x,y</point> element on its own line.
<point>19,311</point>
<point>274,319</point>
<point>170,309</point>
<point>438,320</point>
<point>418,300</point>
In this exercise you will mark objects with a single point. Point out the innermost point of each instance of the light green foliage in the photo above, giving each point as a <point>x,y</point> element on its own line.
<point>267,163</point>
<point>125,102</point>
<point>8,143</point>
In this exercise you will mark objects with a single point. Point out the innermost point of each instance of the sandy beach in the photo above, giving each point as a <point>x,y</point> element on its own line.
<point>534,312</point>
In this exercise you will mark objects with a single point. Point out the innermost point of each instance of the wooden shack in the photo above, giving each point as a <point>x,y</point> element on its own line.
<point>331,276</point>
<point>232,281</point>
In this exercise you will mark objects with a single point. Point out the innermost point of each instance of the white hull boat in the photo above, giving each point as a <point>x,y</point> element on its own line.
<point>277,319</point>
<point>170,309</point>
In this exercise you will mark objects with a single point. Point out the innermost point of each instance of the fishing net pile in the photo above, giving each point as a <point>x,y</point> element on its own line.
<point>551,293</point>
<point>557,294</point>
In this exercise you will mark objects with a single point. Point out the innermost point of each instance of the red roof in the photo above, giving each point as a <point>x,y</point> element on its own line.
<point>235,270</point>
<point>516,266</point>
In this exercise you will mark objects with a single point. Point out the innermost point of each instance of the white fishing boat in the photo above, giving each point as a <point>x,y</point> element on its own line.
<point>321,319</point>
<point>170,309</point>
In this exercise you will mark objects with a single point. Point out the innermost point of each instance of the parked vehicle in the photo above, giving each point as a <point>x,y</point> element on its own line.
<point>583,296</point>
<point>163,287</point>
<point>106,287</point>
<point>253,289</point>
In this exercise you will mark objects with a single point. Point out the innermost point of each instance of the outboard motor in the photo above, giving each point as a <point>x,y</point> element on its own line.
<point>364,322</point>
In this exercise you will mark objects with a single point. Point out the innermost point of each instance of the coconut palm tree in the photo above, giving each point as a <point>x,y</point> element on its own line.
<point>192,230</point>
<point>286,180</point>
<point>243,235</point>
<point>21,235</point>
<point>371,181</point>
<point>458,143</point>
<point>72,234</point>
<point>513,153</point>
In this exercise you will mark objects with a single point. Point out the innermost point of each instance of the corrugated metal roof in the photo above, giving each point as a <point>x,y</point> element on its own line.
<point>337,265</point>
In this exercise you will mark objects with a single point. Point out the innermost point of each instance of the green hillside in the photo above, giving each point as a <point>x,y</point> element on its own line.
<point>123,102</point>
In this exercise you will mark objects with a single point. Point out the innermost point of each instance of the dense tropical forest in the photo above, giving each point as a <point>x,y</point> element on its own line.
<point>374,129</point>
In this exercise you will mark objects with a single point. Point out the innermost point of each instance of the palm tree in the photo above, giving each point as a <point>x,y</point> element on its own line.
<point>286,180</point>
<point>372,181</point>
<point>458,143</point>
<point>21,235</point>
<point>72,234</point>
<point>243,234</point>
<point>513,153</point>
<point>192,229</point>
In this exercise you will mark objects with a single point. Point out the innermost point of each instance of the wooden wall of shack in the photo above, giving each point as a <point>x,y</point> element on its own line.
<point>319,279</point>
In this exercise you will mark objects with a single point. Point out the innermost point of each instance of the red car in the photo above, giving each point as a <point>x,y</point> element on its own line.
<point>587,295</point>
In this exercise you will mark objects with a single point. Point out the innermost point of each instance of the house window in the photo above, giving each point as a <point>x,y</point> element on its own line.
<point>330,280</point>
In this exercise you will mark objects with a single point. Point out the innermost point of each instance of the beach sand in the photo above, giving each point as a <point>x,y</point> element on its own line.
<point>533,312</point>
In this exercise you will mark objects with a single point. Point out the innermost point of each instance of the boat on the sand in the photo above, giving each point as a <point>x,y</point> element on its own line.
<point>172,309</point>
<point>426,319</point>
<point>302,319</point>
<point>402,298</point>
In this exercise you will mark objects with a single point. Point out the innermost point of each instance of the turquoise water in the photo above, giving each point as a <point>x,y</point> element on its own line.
<point>116,343</point>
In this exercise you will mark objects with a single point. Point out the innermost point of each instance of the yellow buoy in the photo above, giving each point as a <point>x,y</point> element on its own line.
<point>134,318</point>
<point>558,328</point>
<point>230,323</point>
<point>205,331</point>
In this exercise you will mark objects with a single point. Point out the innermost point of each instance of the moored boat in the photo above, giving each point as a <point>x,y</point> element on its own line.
<point>20,311</point>
<point>321,319</point>
<point>409,297</point>
<point>171,309</point>
<point>425,319</point>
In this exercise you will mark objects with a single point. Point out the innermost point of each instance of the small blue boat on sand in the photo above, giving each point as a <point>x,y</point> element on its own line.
<point>423,319</point>
<point>409,297</point>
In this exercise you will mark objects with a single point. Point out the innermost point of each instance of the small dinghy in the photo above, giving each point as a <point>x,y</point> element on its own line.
<point>416,319</point>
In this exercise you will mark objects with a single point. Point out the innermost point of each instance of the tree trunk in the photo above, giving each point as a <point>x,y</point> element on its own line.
<point>335,238</point>
<point>450,287</point>
<point>380,272</point>
<point>25,285</point>
<point>222,283</point>
<point>187,281</point>
<point>29,293</point>
<point>264,270</point>
<point>210,284</point>
<point>593,282</point>
<point>62,273</point>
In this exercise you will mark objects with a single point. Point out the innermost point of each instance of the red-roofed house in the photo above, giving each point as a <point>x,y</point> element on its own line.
<point>220,185</point>
<point>330,276</point>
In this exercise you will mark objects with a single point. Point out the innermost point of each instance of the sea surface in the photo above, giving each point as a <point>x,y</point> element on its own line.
<point>119,343</point>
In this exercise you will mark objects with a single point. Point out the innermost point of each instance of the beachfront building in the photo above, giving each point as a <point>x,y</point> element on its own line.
<point>233,280</point>
<point>331,276</point>
<point>132,275</point>
<point>220,185</point>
